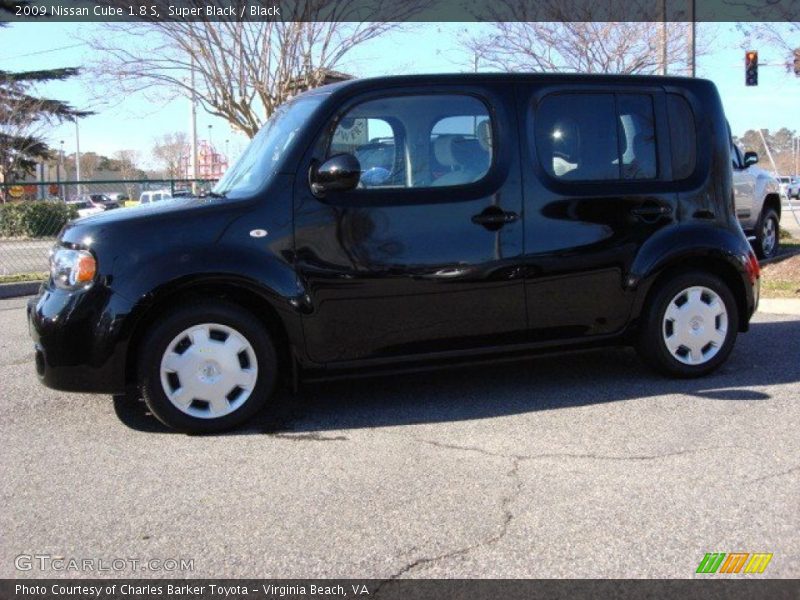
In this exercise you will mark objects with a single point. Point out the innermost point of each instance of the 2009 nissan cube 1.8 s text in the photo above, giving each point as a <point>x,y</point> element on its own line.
<point>386,223</point>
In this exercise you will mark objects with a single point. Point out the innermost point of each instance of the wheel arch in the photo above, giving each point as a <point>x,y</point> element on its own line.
<point>773,201</point>
<point>706,248</point>
<point>708,264</point>
<point>261,303</point>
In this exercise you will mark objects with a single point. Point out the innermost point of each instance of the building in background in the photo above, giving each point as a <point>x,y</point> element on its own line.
<point>211,164</point>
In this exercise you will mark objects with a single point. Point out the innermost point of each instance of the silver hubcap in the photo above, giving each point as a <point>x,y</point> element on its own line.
<point>695,325</point>
<point>209,370</point>
<point>769,236</point>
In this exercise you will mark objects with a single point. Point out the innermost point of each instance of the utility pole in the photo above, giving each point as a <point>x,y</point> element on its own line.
<point>663,37</point>
<point>693,40</point>
<point>59,165</point>
<point>766,147</point>
<point>796,155</point>
<point>194,132</point>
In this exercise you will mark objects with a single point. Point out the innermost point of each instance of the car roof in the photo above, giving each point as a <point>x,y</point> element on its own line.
<point>466,78</point>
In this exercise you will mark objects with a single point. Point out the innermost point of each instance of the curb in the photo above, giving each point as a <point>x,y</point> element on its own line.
<point>779,306</point>
<point>23,288</point>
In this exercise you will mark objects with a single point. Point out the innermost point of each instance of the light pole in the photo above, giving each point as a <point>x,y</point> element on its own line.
<point>78,157</point>
<point>194,130</point>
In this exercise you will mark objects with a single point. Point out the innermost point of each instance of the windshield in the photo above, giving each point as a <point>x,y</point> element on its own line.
<point>260,158</point>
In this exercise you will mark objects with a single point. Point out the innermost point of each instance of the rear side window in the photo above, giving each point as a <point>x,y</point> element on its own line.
<point>638,136</point>
<point>597,137</point>
<point>683,136</point>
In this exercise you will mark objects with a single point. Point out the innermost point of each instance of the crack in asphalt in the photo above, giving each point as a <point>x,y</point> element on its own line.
<point>778,474</point>
<point>507,500</point>
<point>507,516</point>
<point>485,452</point>
<point>309,437</point>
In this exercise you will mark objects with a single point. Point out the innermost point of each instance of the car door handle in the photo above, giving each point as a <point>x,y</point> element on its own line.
<point>494,217</point>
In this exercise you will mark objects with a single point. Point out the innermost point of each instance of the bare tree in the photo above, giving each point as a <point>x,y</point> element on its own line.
<point>580,47</point>
<point>89,163</point>
<point>783,37</point>
<point>170,150</point>
<point>128,168</point>
<point>242,70</point>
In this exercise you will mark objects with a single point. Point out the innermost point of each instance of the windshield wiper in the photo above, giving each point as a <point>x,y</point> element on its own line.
<point>214,194</point>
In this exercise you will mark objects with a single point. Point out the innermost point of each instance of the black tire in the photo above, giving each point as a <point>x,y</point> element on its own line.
<point>156,343</point>
<point>768,215</point>
<point>651,344</point>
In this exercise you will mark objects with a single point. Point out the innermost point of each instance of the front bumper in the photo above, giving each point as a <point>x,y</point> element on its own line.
<point>79,339</point>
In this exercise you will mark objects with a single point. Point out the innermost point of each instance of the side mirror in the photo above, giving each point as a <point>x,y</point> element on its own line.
<point>750,158</point>
<point>340,173</point>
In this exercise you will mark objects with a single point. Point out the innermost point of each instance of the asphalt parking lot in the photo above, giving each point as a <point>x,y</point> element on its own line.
<point>584,465</point>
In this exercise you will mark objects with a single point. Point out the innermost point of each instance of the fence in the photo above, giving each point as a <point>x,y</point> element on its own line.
<point>33,213</point>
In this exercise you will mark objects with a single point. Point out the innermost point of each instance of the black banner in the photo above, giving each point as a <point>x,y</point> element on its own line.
<point>404,10</point>
<point>407,589</point>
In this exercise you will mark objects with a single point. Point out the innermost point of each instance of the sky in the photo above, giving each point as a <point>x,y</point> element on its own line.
<point>134,121</point>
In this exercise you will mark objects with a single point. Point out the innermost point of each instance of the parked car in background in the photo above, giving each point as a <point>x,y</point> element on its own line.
<point>518,214</point>
<point>86,207</point>
<point>103,200</point>
<point>119,197</point>
<point>784,181</point>
<point>154,196</point>
<point>757,200</point>
<point>793,189</point>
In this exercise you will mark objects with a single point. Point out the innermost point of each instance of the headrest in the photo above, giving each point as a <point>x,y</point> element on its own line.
<point>484,134</point>
<point>443,150</point>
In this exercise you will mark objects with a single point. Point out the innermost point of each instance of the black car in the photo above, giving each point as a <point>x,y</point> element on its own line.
<point>500,215</point>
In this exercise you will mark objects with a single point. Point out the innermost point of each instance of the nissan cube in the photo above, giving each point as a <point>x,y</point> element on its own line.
<point>391,224</point>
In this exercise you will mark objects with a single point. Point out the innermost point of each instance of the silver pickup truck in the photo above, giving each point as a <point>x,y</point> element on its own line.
<point>758,202</point>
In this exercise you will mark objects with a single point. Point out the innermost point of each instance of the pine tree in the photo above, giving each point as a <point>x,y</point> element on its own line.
<point>25,116</point>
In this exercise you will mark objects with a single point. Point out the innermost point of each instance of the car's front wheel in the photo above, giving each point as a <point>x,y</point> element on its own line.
<point>689,326</point>
<point>767,237</point>
<point>207,367</point>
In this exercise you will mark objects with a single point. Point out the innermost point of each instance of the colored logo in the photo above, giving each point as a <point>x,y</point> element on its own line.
<point>734,562</point>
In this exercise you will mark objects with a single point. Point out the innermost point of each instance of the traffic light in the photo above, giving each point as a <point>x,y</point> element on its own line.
<point>751,67</point>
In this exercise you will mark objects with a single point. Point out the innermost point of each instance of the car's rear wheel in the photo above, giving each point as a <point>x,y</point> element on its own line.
<point>207,367</point>
<point>689,326</point>
<point>767,237</point>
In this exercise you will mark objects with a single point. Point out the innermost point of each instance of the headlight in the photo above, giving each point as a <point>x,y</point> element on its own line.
<point>72,269</point>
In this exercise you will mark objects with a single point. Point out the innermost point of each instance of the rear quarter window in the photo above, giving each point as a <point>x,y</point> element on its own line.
<point>683,136</point>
